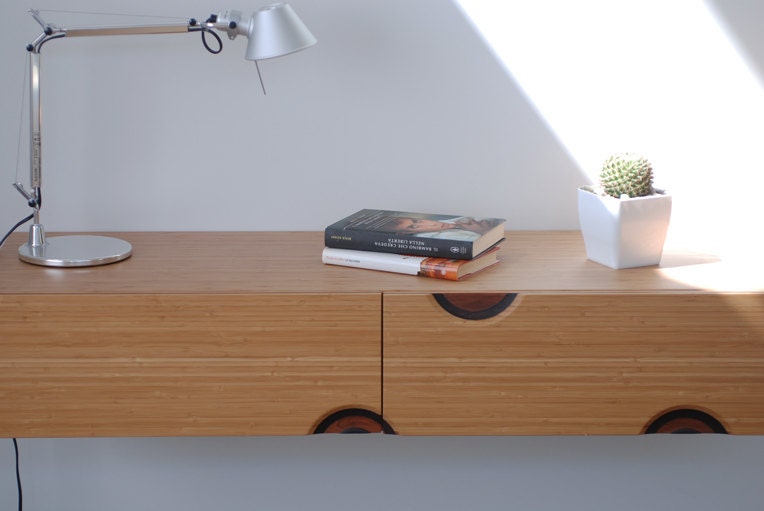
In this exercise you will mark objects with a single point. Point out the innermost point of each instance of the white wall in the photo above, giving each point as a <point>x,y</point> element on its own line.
<point>382,473</point>
<point>400,105</point>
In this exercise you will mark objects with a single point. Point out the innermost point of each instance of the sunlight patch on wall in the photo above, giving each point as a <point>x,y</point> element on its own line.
<point>654,77</point>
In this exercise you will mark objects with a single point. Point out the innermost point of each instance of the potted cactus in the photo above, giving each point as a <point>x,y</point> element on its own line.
<point>624,219</point>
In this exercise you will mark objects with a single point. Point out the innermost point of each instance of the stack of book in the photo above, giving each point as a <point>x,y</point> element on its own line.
<point>440,246</point>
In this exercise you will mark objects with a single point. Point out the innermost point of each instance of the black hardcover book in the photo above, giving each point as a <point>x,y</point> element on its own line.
<point>399,232</point>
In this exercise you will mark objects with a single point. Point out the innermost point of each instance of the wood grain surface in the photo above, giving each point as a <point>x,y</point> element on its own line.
<point>290,262</point>
<point>157,365</point>
<point>249,333</point>
<point>564,364</point>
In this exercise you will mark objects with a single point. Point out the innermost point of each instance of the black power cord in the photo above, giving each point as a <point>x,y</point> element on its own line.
<point>209,48</point>
<point>194,26</point>
<point>18,475</point>
<point>19,224</point>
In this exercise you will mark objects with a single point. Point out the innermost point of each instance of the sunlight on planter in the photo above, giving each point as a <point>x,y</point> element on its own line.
<point>624,233</point>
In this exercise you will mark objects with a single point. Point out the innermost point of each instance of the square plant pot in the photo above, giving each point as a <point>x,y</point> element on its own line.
<point>624,233</point>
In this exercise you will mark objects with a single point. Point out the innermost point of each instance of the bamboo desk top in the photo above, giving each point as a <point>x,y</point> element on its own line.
<point>290,262</point>
<point>220,333</point>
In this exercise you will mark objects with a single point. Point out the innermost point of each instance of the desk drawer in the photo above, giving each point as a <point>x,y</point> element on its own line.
<point>574,364</point>
<point>158,365</point>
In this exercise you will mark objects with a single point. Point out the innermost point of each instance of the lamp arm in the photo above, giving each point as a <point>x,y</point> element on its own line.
<point>228,22</point>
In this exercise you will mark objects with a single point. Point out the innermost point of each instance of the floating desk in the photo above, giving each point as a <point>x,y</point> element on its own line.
<point>201,334</point>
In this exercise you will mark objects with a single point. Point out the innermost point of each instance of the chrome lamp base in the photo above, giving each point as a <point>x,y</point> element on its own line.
<point>72,251</point>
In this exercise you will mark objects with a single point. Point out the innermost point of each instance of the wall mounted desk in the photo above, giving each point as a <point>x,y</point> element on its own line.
<point>203,334</point>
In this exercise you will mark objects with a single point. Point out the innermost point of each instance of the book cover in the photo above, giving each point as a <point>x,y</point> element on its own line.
<point>422,234</point>
<point>435,267</point>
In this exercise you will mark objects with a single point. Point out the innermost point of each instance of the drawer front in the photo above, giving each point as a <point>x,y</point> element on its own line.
<point>575,364</point>
<point>159,365</point>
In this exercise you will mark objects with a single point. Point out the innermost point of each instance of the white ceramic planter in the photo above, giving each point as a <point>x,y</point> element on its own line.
<point>624,233</point>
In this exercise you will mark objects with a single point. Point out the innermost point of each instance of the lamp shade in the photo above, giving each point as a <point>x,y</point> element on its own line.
<point>276,30</point>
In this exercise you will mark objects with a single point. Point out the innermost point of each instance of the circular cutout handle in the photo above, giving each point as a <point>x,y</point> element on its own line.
<point>684,421</point>
<point>475,306</point>
<point>353,420</point>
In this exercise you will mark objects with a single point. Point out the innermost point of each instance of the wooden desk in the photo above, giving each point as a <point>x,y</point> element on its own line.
<point>250,334</point>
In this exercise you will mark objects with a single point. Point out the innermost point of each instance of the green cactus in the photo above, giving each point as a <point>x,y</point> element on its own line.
<point>627,174</point>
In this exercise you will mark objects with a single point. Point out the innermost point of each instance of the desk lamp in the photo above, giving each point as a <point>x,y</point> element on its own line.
<point>272,31</point>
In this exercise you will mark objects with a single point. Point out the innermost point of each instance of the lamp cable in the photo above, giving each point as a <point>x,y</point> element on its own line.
<point>116,14</point>
<point>18,155</point>
<point>21,116</point>
<point>207,46</point>
<point>13,229</point>
<point>18,475</point>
